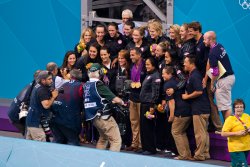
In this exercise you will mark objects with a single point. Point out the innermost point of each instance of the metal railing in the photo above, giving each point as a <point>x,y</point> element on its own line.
<point>88,13</point>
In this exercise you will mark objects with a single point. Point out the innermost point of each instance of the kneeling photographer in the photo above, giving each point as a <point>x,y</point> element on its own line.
<point>97,97</point>
<point>41,100</point>
<point>67,110</point>
<point>18,109</point>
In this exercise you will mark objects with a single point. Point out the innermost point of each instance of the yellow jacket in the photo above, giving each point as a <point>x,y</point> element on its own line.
<point>237,143</point>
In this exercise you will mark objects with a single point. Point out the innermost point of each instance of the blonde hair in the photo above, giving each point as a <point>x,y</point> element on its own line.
<point>176,29</point>
<point>164,46</point>
<point>88,29</point>
<point>156,25</point>
<point>185,25</point>
<point>140,29</point>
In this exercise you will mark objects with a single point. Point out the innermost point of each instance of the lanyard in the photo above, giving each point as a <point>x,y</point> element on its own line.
<point>241,122</point>
<point>213,46</point>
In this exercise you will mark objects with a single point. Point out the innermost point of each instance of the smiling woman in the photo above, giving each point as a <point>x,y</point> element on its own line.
<point>69,60</point>
<point>237,129</point>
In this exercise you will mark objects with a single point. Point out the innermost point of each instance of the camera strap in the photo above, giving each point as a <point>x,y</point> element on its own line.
<point>118,70</point>
<point>243,123</point>
<point>105,112</point>
<point>31,88</point>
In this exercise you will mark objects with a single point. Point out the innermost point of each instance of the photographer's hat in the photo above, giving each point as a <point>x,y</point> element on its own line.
<point>94,67</point>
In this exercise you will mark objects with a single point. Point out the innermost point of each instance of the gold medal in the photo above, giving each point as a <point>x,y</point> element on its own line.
<point>132,84</point>
<point>160,108</point>
<point>137,84</point>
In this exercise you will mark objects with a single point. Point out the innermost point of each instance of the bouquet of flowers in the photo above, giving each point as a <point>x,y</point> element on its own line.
<point>88,66</point>
<point>153,47</point>
<point>104,71</point>
<point>81,46</point>
<point>160,108</point>
<point>148,115</point>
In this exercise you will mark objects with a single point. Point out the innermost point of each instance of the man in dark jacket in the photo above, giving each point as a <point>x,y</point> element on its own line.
<point>67,111</point>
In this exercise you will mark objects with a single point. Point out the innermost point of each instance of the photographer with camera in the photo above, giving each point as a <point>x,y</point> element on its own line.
<point>57,80</point>
<point>67,110</point>
<point>97,108</point>
<point>40,102</point>
<point>18,109</point>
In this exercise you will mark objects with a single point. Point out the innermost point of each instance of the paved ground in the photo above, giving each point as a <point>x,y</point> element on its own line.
<point>214,162</point>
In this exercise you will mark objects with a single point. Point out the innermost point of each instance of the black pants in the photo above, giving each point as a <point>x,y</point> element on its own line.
<point>161,131</point>
<point>20,126</point>
<point>164,138</point>
<point>170,140</point>
<point>148,139</point>
<point>65,135</point>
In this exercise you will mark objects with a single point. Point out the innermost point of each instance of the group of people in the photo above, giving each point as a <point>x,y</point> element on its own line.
<point>173,79</point>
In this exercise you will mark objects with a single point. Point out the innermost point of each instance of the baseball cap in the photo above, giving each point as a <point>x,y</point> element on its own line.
<point>94,67</point>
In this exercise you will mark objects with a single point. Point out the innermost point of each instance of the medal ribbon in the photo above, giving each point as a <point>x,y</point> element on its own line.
<point>135,73</point>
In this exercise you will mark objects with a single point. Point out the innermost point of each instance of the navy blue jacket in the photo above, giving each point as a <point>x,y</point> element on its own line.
<point>115,45</point>
<point>200,104</point>
<point>188,47</point>
<point>68,106</point>
<point>218,53</point>
<point>182,107</point>
<point>201,52</point>
<point>145,50</point>
<point>23,96</point>
<point>94,104</point>
<point>150,90</point>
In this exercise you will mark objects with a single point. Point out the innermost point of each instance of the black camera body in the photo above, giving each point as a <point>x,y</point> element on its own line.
<point>60,90</point>
<point>122,85</point>
<point>121,115</point>
<point>45,123</point>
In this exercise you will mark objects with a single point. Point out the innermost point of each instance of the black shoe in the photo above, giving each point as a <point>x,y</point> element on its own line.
<point>147,153</point>
<point>139,151</point>
<point>123,147</point>
<point>130,148</point>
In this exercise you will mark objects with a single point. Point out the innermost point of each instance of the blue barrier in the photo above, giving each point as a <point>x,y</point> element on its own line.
<point>27,153</point>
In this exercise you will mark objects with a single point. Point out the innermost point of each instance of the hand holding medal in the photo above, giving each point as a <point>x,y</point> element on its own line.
<point>148,115</point>
<point>135,85</point>
<point>160,108</point>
